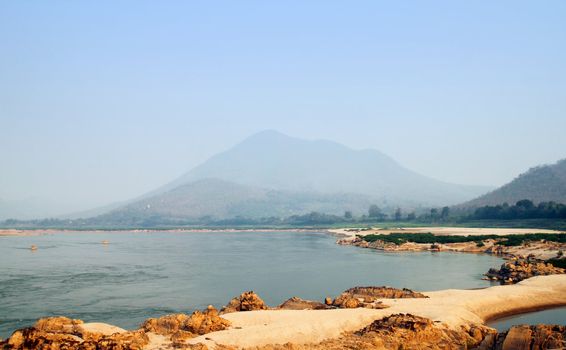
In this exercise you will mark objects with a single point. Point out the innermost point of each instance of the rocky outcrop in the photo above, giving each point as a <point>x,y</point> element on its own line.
<point>526,337</point>
<point>56,333</point>
<point>296,303</point>
<point>401,331</point>
<point>368,297</point>
<point>516,270</point>
<point>247,301</point>
<point>180,327</point>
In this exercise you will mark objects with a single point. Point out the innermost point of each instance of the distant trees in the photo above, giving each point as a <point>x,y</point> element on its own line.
<point>445,213</point>
<point>374,212</point>
<point>348,215</point>
<point>523,209</point>
<point>398,214</point>
<point>434,214</point>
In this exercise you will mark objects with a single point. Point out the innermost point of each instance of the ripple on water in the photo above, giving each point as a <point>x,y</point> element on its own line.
<point>141,275</point>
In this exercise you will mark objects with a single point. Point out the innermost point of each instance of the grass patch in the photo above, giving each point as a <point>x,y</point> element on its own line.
<point>557,262</point>
<point>429,238</point>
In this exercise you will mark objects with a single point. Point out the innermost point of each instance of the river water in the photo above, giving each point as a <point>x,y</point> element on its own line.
<point>142,275</point>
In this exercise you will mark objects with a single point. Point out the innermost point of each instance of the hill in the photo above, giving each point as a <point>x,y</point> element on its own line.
<point>273,160</point>
<point>216,199</point>
<point>546,183</point>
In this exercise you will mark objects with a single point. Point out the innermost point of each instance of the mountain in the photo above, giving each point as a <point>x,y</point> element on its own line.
<point>273,160</point>
<point>221,199</point>
<point>271,174</point>
<point>540,184</point>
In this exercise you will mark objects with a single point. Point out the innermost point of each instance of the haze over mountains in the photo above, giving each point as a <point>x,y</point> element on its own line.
<point>539,184</point>
<point>271,174</point>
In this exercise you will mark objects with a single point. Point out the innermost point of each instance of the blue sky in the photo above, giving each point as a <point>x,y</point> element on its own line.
<point>103,100</point>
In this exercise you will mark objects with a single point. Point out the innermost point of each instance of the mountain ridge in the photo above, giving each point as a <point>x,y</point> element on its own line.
<point>543,183</point>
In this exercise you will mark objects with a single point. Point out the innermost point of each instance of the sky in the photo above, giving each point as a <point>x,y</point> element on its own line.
<point>102,101</point>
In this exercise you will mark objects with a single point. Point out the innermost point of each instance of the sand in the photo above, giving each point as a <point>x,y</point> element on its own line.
<point>452,308</point>
<point>445,231</point>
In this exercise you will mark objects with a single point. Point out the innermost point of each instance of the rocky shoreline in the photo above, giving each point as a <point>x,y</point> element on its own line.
<point>358,318</point>
<point>524,261</point>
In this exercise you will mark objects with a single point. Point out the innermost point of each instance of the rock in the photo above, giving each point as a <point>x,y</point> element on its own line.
<point>328,301</point>
<point>58,325</point>
<point>181,326</point>
<point>247,301</point>
<point>56,333</point>
<point>518,338</point>
<point>135,340</point>
<point>296,303</point>
<point>405,331</point>
<point>368,296</point>
<point>532,337</point>
<point>516,270</point>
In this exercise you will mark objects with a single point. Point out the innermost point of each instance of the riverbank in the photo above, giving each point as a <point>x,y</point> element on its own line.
<point>40,232</point>
<point>375,239</point>
<point>450,308</point>
<point>443,316</point>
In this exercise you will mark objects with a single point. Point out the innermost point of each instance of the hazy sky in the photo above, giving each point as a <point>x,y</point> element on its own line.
<point>104,100</point>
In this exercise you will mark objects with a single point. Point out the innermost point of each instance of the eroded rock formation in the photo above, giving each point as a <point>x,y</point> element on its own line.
<point>400,331</point>
<point>368,297</point>
<point>180,327</point>
<point>56,333</point>
<point>247,301</point>
<point>516,270</point>
<point>526,337</point>
<point>296,303</point>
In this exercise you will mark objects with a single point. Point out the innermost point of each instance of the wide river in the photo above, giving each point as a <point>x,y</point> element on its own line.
<point>142,275</point>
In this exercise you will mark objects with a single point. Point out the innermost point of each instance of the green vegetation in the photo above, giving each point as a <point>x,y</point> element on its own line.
<point>557,263</point>
<point>526,215</point>
<point>523,209</point>
<point>429,238</point>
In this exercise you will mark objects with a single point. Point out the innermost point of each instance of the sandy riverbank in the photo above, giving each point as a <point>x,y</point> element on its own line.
<point>452,308</point>
<point>453,317</point>
<point>443,231</point>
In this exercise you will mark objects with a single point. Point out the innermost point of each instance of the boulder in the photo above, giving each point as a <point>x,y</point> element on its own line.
<point>56,333</point>
<point>532,337</point>
<point>369,296</point>
<point>296,303</point>
<point>181,326</point>
<point>247,301</point>
<point>516,270</point>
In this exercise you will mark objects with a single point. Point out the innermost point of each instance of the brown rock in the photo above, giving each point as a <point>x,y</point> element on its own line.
<point>516,270</point>
<point>247,301</point>
<point>134,340</point>
<point>296,303</point>
<point>182,326</point>
<point>532,337</point>
<point>368,296</point>
<point>400,331</point>
<point>57,325</point>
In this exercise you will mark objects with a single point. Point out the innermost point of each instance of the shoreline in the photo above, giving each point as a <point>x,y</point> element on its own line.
<point>451,310</point>
<point>40,232</point>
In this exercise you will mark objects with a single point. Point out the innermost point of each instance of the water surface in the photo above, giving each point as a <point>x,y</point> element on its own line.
<point>550,316</point>
<point>141,275</point>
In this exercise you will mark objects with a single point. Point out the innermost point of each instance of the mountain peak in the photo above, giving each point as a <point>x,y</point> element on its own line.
<point>539,184</point>
<point>272,160</point>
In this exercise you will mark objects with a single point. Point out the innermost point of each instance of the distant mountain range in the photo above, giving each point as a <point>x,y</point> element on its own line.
<point>540,184</point>
<point>271,174</point>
